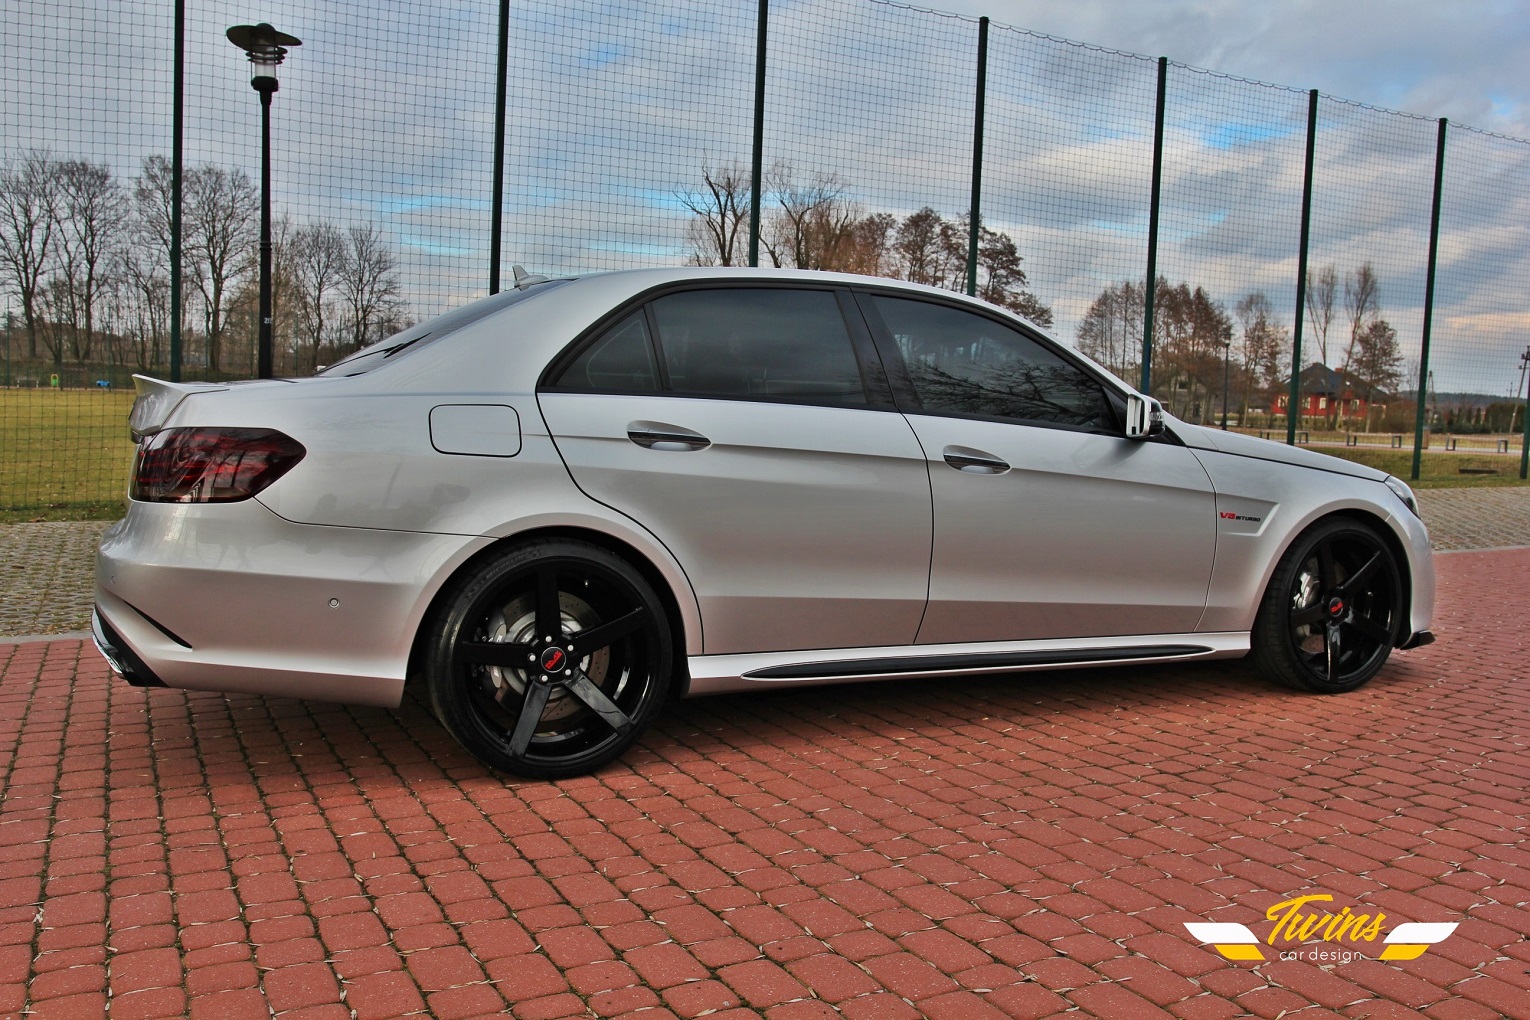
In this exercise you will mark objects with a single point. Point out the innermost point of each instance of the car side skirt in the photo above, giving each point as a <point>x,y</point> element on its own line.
<point>723,674</point>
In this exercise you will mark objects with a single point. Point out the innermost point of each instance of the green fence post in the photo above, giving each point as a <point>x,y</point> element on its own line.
<point>1152,253</point>
<point>1524,447</point>
<point>756,160</point>
<point>1423,354</point>
<point>497,200</point>
<point>974,217</point>
<point>177,132</point>
<point>1293,396</point>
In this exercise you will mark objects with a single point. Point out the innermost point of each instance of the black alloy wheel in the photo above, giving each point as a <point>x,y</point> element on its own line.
<point>550,660</point>
<point>1333,610</point>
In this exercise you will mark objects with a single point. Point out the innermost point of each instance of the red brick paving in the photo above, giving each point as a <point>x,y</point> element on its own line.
<point>999,847</point>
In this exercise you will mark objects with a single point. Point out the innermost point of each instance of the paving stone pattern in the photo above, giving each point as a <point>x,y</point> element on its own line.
<point>1021,846</point>
<point>1476,518</point>
<point>47,576</point>
<point>48,571</point>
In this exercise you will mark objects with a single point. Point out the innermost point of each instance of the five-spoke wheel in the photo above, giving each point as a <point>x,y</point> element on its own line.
<point>549,660</point>
<point>1332,611</point>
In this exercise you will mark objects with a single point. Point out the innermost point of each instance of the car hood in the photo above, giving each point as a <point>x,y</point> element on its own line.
<point>1239,445</point>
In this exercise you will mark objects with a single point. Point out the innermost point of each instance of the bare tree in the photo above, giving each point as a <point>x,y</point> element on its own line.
<point>813,226</point>
<point>1001,280</point>
<point>1362,306</point>
<point>148,313</point>
<point>1264,348</point>
<point>1321,290</point>
<point>1111,331</point>
<point>931,250</point>
<point>219,237</point>
<point>721,208</point>
<point>369,285</point>
<point>91,219</point>
<point>1190,329</point>
<point>28,199</point>
<point>868,248</point>
<point>1378,362</point>
<point>319,252</point>
<point>147,262</point>
<point>809,221</point>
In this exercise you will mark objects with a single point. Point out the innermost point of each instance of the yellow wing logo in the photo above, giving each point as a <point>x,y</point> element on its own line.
<point>1408,941</point>
<point>1233,941</point>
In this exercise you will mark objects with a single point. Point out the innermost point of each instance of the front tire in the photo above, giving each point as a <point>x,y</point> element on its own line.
<point>549,660</point>
<point>1333,610</point>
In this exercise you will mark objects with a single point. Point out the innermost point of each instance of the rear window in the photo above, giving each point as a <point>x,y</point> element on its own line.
<point>426,333</point>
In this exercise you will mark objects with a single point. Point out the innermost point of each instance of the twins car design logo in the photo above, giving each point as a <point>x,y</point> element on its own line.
<point>1343,931</point>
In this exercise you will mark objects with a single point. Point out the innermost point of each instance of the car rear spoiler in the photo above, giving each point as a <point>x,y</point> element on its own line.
<point>157,399</point>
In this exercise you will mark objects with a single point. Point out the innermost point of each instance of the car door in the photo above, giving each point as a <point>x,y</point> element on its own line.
<point>736,423</point>
<point>1048,522</point>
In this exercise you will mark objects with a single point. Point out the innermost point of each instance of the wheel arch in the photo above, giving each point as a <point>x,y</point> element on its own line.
<point>1376,522</point>
<point>613,544</point>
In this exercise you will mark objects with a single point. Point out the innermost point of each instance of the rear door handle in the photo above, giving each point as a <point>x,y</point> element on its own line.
<point>658,435</point>
<point>976,462</point>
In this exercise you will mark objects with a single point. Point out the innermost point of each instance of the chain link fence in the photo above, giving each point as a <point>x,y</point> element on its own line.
<point>630,138</point>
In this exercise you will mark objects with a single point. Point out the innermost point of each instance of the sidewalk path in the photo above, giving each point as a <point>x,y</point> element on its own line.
<point>49,569</point>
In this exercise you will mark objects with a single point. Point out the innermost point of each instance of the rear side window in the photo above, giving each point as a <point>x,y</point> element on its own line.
<point>964,363</point>
<point>758,343</point>
<point>620,361</point>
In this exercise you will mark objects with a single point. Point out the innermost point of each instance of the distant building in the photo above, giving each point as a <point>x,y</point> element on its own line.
<point>1330,393</point>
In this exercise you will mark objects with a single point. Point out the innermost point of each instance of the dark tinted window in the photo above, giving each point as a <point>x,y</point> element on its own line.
<point>621,360</point>
<point>965,363</point>
<point>758,342</point>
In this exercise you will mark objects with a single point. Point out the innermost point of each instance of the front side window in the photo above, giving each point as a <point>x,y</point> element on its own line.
<point>758,343</point>
<point>964,363</point>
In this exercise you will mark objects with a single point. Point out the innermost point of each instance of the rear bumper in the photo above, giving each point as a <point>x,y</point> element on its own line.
<point>232,598</point>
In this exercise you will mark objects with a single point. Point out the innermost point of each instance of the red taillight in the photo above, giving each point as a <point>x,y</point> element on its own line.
<point>211,465</point>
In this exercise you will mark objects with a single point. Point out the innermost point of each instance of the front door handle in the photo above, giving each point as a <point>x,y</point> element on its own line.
<point>976,462</point>
<point>658,435</point>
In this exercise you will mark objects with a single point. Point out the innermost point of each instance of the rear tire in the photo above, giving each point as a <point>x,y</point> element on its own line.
<point>1333,610</point>
<point>549,660</point>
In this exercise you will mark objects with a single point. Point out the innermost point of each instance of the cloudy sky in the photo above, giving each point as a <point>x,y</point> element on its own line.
<point>386,116</point>
<point>1462,59</point>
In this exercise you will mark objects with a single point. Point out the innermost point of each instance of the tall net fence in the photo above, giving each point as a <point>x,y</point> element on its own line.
<point>628,138</point>
<point>86,97</point>
<point>1481,338</point>
<point>1230,225</point>
<point>1069,130</point>
<point>615,111</point>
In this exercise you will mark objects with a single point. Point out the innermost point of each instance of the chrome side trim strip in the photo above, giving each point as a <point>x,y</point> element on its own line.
<point>968,660</point>
<point>721,674</point>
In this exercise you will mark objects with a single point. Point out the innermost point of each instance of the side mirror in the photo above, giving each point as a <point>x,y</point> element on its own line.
<point>1144,417</point>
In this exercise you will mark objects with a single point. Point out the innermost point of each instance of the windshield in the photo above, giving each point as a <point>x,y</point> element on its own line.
<point>416,337</point>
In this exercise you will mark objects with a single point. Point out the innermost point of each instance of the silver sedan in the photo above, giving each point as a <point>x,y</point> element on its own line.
<point>558,507</point>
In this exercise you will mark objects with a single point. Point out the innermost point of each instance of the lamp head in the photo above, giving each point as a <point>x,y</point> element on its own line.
<point>266,46</point>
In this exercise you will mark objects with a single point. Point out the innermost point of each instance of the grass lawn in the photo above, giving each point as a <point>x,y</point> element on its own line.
<point>64,454</point>
<point>1437,470</point>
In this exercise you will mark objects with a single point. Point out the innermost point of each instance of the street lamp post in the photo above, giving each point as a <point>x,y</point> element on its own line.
<point>266,47</point>
<point>1226,358</point>
<point>1524,448</point>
